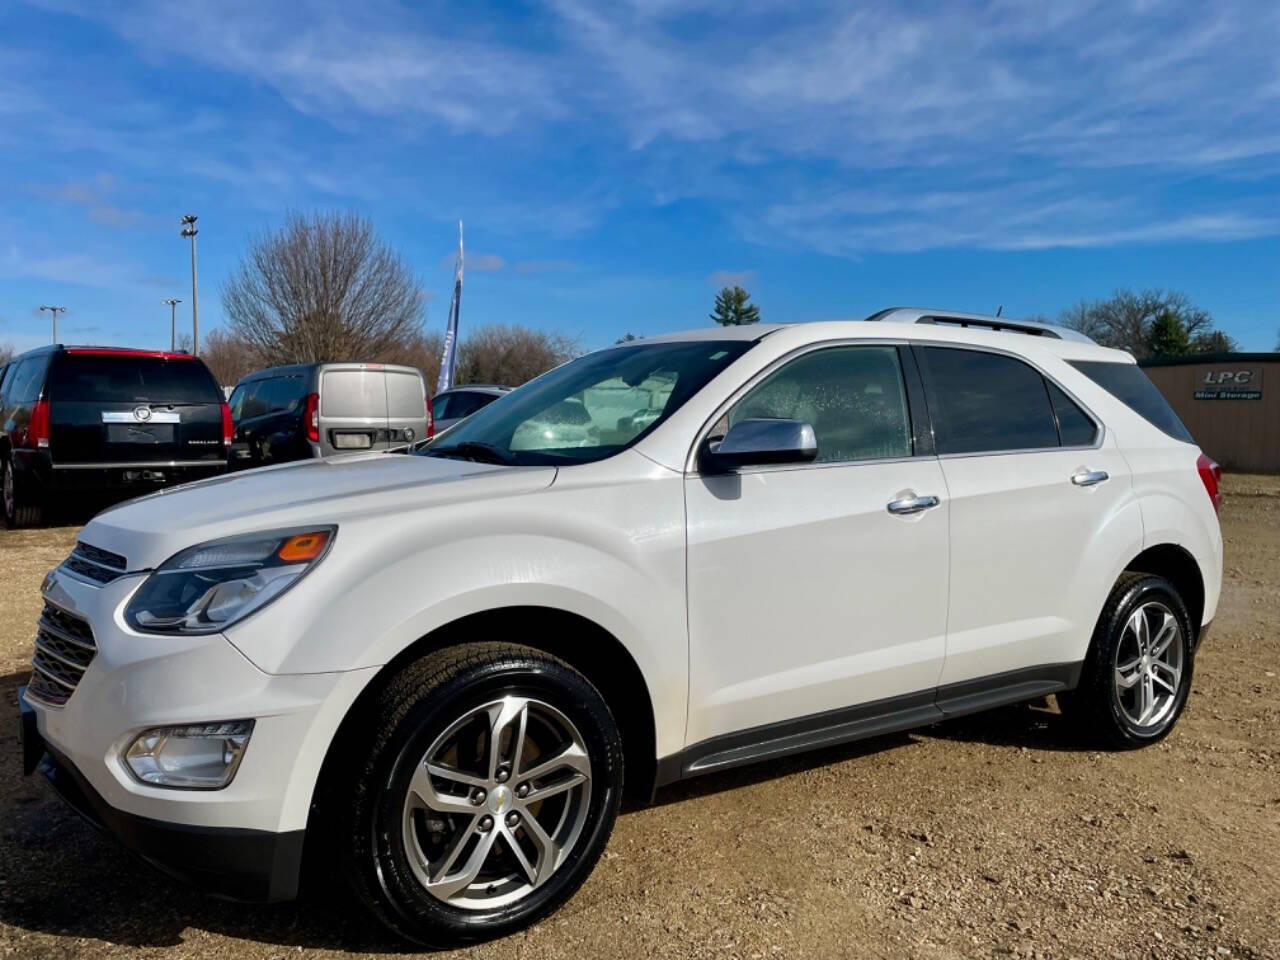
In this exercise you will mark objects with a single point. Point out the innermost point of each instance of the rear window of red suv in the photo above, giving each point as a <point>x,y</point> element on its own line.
<point>131,378</point>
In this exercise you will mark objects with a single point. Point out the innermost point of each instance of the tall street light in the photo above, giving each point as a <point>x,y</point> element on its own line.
<point>189,230</point>
<point>173,321</point>
<point>55,311</point>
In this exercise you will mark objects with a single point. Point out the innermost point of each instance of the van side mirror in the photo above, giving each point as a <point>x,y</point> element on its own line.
<point>759,441</point>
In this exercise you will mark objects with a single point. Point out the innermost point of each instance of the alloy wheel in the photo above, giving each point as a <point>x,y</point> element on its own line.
<point>1149,665</point>
<point>497,803</point>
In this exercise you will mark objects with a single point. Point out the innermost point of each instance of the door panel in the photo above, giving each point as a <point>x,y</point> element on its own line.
<point>807,595</point>
<point>1033,555</point>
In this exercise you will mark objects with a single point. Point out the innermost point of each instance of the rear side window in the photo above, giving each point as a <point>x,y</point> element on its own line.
<point>1074,426</point>
<point>406,396</point>
<point>985,402</point>
<point>1128,384</point>
<point>353,393</point>
<point>94,378</point>
<point>23,383</point>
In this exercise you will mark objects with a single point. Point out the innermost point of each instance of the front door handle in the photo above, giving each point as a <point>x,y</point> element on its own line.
<point>1087,478</point>
<point>907,505</point>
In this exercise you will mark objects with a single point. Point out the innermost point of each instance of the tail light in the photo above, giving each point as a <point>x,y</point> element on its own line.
<point>38,425</point>
<point>431,420</point>
<point>1211,477</point>
<point>228,426</point>
<point>312,416</point>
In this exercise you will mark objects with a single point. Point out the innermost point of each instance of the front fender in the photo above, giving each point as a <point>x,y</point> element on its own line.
<point>613,555</point>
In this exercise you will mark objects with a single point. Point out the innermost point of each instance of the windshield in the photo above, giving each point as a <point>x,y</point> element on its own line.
<point>590,408</point>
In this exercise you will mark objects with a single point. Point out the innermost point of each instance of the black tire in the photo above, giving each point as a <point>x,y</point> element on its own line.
<point>404,720</point>
<point>1097,704</point>
<point>19,511</point>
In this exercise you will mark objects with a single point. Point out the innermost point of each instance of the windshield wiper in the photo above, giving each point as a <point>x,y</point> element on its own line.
<point>476,450</point>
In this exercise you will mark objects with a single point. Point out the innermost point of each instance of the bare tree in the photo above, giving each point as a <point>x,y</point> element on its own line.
<point>1126,320</point>
<point>322,288</point>
<point>422,350</point>
<point>6,352</point>
<point>511,355</point>
<point>228,356</point>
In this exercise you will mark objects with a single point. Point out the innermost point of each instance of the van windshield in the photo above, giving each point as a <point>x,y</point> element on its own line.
<point>590,408</point>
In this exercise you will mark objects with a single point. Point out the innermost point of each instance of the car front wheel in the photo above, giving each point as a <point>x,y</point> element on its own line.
<point>488,794</point>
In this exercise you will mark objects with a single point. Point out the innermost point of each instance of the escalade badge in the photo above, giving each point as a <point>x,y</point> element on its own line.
<point>142,414</point>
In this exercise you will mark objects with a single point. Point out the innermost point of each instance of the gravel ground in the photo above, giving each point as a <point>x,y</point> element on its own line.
<point>993,836</point>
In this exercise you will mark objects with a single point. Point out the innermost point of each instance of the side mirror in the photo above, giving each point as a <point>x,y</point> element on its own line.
<point>751,442</point>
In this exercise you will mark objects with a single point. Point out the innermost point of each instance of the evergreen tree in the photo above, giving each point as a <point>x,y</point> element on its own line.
<point>732,308</point>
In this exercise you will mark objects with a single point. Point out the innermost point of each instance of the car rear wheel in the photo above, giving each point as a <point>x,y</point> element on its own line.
<point>18,512</point>
<point>489,793</point>
<point>1137,676</point>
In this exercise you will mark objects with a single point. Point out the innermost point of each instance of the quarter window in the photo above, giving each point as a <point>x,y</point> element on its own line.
<point>986,401</point>
<point>853,397</point>
<point>1075,429</point>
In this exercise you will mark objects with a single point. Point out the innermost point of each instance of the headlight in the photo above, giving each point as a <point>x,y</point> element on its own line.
<point>207,588</point>
<point>202,756</point>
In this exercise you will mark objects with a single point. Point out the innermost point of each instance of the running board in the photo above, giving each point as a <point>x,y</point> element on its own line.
<point>891,715</point>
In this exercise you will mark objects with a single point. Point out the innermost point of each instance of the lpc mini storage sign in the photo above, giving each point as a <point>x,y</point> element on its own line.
<point>1230,384</point>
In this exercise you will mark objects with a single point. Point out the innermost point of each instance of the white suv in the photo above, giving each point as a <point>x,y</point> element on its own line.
<point>438,673</point>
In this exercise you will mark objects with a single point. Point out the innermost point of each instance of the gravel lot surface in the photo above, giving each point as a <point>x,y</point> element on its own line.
<point>993,836</point>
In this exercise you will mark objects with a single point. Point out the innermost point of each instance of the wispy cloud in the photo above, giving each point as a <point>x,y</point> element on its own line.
<point>481,262</point>
<point>731,278</point>
<point>987,123</point>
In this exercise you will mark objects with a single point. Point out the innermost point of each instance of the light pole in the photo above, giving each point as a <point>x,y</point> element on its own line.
<point>54,311</point>
<point>173,321</point>
<point>189,230</point>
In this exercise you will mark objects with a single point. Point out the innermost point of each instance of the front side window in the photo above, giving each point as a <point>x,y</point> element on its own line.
<point>592,407</point>
<point>853,397</point>
<point>984,402</point>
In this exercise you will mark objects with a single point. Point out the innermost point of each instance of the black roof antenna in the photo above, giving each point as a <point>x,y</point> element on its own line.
<point>999,309</point>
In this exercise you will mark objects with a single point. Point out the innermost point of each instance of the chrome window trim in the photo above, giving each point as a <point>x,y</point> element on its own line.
<point>691,458</point>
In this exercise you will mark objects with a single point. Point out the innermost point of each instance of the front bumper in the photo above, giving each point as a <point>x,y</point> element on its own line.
<point>239,864</point>
<point>242,840</point>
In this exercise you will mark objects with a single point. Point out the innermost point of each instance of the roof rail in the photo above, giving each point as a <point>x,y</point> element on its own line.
<point>998,324</point>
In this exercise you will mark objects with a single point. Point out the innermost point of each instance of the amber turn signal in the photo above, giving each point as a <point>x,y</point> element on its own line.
<point>303,547</point>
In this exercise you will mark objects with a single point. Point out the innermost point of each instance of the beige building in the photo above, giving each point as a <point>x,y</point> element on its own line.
<point>1230,402</point>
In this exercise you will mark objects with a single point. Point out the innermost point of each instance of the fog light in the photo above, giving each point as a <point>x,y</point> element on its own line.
<point>201,756</point>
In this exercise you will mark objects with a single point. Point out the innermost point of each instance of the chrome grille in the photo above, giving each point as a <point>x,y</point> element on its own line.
<point>94,563</point>
<point>64,650</point>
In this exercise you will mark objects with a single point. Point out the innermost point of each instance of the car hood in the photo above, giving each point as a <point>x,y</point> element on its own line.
<point>149,530</point>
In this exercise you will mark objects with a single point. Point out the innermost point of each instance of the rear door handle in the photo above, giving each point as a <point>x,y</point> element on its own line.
<point>1087,478</point>
<point>908,505</point>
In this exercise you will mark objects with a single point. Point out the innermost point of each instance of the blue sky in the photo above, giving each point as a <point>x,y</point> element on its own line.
<point>616,163</point>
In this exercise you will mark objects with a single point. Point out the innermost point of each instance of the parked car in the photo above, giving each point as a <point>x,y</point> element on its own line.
<point>105,423</point>
<point>450,406</point>
<point>444,670</point>
<point>319,409</point>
